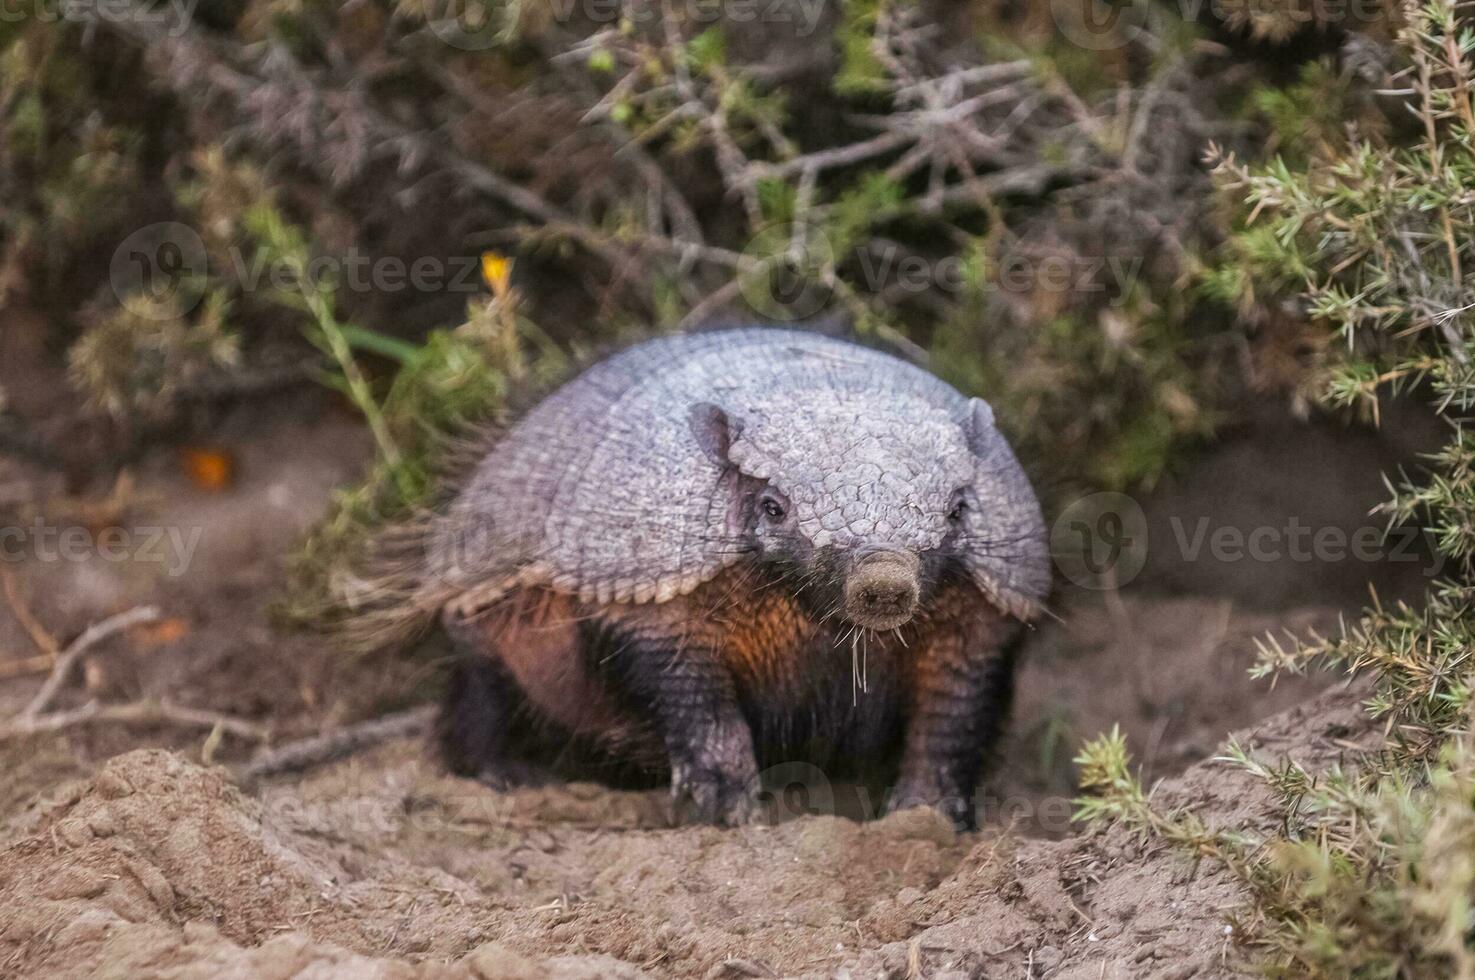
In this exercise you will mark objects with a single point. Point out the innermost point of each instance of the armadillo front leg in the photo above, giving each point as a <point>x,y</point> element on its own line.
<point>961,687</point>
<point>689,696</point>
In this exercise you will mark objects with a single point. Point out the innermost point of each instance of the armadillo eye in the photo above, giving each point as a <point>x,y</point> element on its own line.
<point>960,507</point>
<point>773,508</point>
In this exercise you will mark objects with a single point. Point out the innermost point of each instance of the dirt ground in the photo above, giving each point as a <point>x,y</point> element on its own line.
<point>122,853</point>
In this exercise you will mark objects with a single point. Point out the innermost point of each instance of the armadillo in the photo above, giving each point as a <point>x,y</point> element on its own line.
<point>673,564</point>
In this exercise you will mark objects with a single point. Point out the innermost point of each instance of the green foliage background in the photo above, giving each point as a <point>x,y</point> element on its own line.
<point>1370,227</point>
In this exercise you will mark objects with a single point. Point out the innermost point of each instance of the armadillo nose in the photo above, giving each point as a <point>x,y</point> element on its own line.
<point>882,594</point>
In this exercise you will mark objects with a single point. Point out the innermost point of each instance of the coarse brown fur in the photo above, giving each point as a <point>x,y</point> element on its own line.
<point>811,688</point>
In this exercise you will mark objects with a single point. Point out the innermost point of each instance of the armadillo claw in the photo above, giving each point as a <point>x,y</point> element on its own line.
<point>705,795</point>
<point>506,774</point>
<point>953,805</point>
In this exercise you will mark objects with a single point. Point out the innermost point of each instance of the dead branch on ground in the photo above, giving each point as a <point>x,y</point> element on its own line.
<point>35,718</point>
<point>68,658</point>
<point>39,635</point>
<point>310,752</point>
<point>134,712</point>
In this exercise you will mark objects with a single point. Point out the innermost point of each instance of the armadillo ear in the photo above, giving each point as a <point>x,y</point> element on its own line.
<point>713,429</point>
<point>978,425</point>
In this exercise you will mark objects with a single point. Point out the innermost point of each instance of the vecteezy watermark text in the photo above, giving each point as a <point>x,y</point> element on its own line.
<point>1300,542</point>
<point>475,25</point>
<point>789,272</point>
<point>167,261</point>
<point>784,792</point>
<point>1101,542</point>
<point>1021,273</point>
<point>174,15</point>
<point>1102,25</point>
<point>803,14</point>
<point>168,545</point>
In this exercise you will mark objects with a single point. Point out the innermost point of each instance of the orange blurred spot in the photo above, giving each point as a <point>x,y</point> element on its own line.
<point>209,469</point>
<point>158,634</point>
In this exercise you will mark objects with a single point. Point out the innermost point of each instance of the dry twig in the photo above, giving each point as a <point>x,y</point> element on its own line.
<point>309,752</point>
<point>35,719</point>
<point>134,712</point>
<point>28,621</point>
<point>26,665</point>
<point>68,658</point>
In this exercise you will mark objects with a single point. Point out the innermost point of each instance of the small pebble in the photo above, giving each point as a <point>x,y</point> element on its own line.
<point>111,786</point>
<point>74,832</point>
<point>103,823</point>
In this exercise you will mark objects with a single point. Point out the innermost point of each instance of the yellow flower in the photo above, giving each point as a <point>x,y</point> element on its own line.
<point>497,271</point>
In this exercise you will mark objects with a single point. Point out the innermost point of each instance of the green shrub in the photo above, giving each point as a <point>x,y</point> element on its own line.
<point>1372,872</point>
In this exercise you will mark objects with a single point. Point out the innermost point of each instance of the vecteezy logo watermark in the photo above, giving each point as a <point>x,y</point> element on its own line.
<point>167,545</point>
<point>1100,541</point>
<point>783,792</point>
<point>800,789</point>
<point>470,25</point>
<point>788,271</point>
<point>159,271</point>
<point>1099,25</point>
<point>173,15</point>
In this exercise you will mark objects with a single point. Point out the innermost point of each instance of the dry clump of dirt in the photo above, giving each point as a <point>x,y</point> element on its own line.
<point>383,866</point>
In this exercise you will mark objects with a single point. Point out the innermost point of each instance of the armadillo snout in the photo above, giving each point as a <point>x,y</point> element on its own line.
<point>882,591</point>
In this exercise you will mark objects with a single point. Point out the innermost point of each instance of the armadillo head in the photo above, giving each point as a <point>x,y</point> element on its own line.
<point>867,510</point>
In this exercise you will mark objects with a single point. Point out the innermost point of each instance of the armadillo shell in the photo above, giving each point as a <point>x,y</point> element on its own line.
<point>603,491</point>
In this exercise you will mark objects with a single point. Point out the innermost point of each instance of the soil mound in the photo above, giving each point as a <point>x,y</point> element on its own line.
<point>383,867</point>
